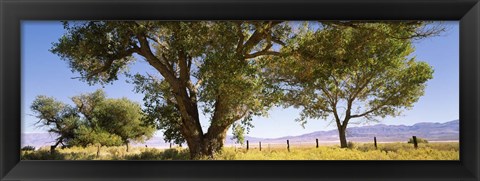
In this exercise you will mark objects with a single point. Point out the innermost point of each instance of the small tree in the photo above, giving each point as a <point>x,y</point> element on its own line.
<point>86,135</point>
<point>122,117</point>
<point>57,117</point>
<point>352,70</point>
<point>94,120</point>
<point>89,133</point>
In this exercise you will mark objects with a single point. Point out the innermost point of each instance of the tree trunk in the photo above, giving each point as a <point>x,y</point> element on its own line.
<point>53,147</point>
<point>126,144</point>
<point>207,145</point>
<point>204,146</point>
<point>342,127</point>
<point>343,138</point>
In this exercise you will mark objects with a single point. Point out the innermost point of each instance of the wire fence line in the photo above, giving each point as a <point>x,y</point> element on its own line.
<point>302,144</point>
<point>266,144</point>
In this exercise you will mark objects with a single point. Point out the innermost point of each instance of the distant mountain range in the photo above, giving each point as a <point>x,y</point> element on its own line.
<point>448,131</point>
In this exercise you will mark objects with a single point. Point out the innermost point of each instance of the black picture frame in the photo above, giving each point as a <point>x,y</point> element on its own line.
<point>14,11</point>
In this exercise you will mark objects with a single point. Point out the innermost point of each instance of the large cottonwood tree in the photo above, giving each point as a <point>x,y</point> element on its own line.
<point>351,70</point>
<point>202,65</point>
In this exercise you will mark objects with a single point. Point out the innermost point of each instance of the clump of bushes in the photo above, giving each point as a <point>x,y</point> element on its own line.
<point>154,154</point>
<point>419,140</point>
<point>351,145</point>
<point>42,155</point>
<point>28,148</point>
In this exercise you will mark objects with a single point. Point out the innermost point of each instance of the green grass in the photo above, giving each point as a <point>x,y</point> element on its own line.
<point>359,151</point>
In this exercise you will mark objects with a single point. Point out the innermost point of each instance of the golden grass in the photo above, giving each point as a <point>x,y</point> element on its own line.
<point>359,151</point>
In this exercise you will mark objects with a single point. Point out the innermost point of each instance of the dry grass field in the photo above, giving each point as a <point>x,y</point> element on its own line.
<point>357,151</point>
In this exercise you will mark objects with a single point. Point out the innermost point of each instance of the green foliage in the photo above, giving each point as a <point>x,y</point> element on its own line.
<point>238,133</point>
<point>110,39</point>
<point>86,135</point>
<point>419,140</point>
<point>334,67</point>
<point>58,117</point>
<point>86,103</point>
<point>95,120</point>
<point>122,117</point>
<point>209,63</point>
<point>159,107</point>
<point>351,70</point>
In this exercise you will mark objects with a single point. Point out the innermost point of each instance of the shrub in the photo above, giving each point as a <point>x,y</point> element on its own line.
<point>419,140</point>
<point>28,148</point>
<point>351,145</point>
<point>41,155</point>
<point>147,155</point>
<point>154,154</point>
<point>366,147</point>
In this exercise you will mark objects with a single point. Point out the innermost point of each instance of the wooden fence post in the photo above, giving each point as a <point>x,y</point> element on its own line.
<point>98,150</point>
<point>288,146</point>
<point>415,143</point>
<point>170,145</point>
<point>52,150</point>
<point>317,142</point>
<point>247,144</point>
<point>375,142</point>
<point>260,145</point>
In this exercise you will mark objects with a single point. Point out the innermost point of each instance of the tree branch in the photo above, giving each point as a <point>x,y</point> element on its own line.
<point>257,36</point>
<point>415,34</point>
<point>146,52</point>
<point>241,37</point>
<point>260,53</point>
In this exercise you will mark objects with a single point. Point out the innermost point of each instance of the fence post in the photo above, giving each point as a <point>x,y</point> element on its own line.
<point>170,145</point>
<point>98,150</point>
<point>260,145</point>
<point>288,146</point>
<point>317,142</point>
<point>52,150</point>
<point>247,144</point>
<point>375,142</point>
<point>415,143</point>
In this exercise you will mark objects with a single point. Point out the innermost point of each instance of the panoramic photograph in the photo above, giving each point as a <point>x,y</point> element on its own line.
<point>240,90</point>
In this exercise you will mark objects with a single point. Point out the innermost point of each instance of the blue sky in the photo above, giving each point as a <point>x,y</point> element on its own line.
<point>43,73</point>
